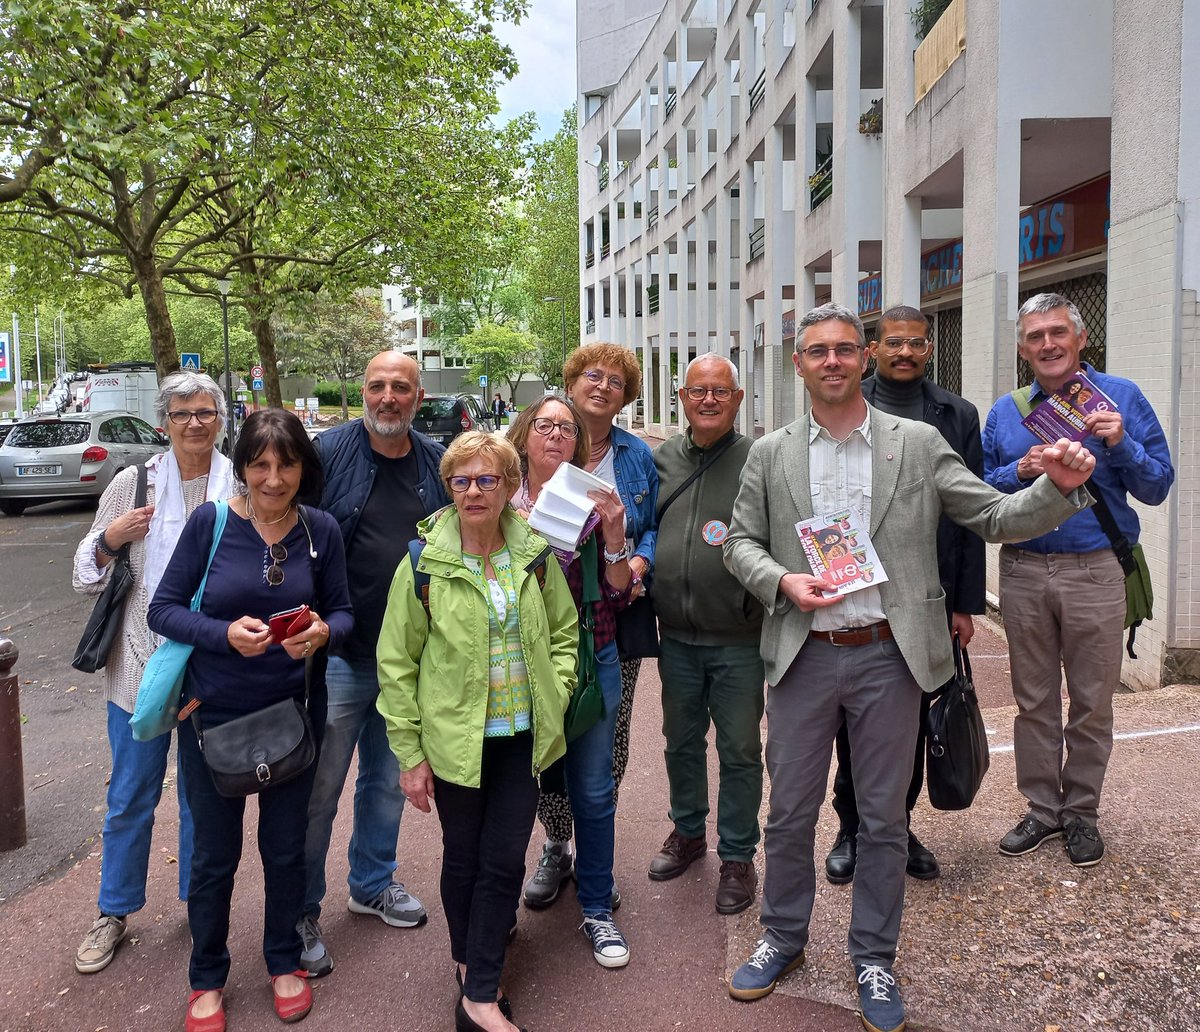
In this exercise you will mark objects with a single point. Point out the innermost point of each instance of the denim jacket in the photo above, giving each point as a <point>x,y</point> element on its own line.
<point>637,484</point>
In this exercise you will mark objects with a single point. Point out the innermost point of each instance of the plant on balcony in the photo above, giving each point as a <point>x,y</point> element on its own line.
<point>870,122</point>
<point>926,14</point>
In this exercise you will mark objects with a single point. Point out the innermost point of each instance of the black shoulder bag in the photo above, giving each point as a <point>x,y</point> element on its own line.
<point>956,748</point>
<point>108,614</point>
<point>637,623</point>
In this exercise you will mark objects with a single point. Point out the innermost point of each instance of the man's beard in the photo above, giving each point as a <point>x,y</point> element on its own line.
<point>397,427</point>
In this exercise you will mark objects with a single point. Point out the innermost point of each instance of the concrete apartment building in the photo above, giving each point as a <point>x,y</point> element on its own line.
<point>743,160</point>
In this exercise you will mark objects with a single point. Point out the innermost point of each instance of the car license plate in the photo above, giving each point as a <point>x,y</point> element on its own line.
<point>39,471</point>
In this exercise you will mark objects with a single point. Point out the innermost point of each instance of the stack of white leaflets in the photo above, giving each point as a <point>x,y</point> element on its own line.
<point>561,511</point>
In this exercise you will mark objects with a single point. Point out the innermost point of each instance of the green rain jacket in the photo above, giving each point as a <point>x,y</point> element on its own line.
<point>433,670</point>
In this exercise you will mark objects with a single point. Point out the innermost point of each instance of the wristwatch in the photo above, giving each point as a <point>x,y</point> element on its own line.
<point>616,557</point>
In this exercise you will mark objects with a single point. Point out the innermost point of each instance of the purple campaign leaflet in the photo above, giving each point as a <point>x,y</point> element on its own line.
<point>1063,412</point>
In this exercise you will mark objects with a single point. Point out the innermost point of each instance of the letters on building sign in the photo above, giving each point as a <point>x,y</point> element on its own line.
<point>1070,223</point>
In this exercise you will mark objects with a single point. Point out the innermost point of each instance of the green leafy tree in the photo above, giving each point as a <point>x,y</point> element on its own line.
<point>551,258</point>
<point>500,353</point>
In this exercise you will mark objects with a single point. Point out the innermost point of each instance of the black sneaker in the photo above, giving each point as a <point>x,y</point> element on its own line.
<point>1027,836</point>
<point>1085,847</point>
<point>555,866</point>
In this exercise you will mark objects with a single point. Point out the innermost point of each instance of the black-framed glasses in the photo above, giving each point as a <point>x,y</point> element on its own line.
<point>273,574</point>
<point>545,426</point>
<point>699,393</point>
<point>600,379</point>
<point>181,417</point>
<point>819,352</point>
<point>918,345</point>
<point>486,482</point>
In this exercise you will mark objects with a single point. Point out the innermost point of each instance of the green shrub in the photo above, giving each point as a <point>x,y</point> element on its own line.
<point>925,15</point>
<point>331,393</point>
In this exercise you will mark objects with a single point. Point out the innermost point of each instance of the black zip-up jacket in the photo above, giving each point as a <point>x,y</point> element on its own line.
<point>961,559</point>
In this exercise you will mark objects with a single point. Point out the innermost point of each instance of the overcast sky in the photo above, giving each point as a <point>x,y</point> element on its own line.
<point>544,43</point>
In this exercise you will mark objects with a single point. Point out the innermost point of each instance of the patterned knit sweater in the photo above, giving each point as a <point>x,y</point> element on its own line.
<point>136,643</point>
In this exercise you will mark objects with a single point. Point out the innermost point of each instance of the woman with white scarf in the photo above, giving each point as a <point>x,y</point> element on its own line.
<point>191,408</point>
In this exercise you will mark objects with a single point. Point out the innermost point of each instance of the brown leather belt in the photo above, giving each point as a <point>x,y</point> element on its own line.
<point>881,631</point>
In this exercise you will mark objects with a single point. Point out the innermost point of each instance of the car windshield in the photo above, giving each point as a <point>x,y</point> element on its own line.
<point>49,435</point>
<point>436,408</point>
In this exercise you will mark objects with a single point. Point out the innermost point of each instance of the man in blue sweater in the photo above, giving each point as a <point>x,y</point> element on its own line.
<point>381,478</point>
<point>1062,595</point>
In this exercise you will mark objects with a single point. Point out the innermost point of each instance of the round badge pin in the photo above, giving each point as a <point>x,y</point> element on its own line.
<point>715,532</point>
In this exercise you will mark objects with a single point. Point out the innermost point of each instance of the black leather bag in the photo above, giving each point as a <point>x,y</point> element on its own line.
<point>956,749</point>
<point>108,614</point>
<point>637,630</point>
<point>261,750</point>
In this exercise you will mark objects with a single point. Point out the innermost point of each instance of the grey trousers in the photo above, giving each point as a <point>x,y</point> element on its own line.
<point>871,689</point>
<point>1063,611</point>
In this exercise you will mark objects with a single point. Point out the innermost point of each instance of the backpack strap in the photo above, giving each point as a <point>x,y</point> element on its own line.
<point>538,566</point>
<point>420,578</point>
<point>1023,399</point>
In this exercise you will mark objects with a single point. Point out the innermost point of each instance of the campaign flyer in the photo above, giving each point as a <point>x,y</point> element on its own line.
<point>840,552</point>
<point>1063,412</point>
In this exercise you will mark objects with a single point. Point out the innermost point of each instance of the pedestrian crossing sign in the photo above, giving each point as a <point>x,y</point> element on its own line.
<point>190,361</point>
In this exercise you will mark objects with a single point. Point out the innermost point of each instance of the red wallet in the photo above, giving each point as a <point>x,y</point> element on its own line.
<point>289,622</point>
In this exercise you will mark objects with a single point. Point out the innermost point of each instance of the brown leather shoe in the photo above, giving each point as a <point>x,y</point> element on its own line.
<point>735,890</point>
<point>676,856</point>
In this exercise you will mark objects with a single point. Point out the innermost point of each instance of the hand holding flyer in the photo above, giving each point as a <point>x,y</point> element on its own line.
<point>840,552</point>
<point>1062,414</point>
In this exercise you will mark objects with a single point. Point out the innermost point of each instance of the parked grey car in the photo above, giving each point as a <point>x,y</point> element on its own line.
<point>444,417</point>
<point>75,455</point>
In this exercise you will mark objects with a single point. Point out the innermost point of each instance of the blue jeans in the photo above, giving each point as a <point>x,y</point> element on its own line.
<point>589,763</point>
<point>134,789</point>
<point>378,802</point>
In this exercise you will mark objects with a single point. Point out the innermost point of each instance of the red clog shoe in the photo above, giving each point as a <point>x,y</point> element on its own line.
<point>213,1023</point>
<point>293,1008</point>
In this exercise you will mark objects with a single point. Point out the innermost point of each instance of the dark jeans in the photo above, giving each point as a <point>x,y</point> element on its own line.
<point>844,803</point>
<point>485,832</point>
<point>218,850</point>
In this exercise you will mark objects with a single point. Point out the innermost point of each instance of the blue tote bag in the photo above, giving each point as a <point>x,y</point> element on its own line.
<point>157,709</point>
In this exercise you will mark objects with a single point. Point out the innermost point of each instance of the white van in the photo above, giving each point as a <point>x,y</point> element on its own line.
<point>122,387</point>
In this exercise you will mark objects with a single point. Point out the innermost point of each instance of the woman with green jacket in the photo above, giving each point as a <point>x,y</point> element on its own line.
<point>476,666</point>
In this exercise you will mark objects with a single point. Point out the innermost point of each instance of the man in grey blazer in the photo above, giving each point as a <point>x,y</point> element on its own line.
<point>863,657</point>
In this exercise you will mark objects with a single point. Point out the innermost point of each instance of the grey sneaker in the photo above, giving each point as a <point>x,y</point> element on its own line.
<point>96,951</point>
<point>555,867</point>
<point>315,960</point>
<point>393,906</point>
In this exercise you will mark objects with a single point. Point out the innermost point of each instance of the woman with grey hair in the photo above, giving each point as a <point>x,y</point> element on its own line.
<point>191,408</point>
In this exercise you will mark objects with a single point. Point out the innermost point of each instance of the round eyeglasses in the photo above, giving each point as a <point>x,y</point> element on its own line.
<point>599,379</point>
<point>894,345</point>
<point>273,574</point>
<point>545,426</point>
<point>487,482</point>
<point>699,393</point>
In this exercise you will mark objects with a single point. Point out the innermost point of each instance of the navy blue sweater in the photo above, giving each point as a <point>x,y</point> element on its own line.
<point>237,587</point>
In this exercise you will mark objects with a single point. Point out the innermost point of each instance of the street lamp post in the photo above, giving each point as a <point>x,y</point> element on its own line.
<point>223,286</point>
<point>562,301</point>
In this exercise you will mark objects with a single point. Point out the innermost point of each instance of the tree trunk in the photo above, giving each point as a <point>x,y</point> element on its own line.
<point>264,333</point>
<point>158,316</point>
<point>345,410</point>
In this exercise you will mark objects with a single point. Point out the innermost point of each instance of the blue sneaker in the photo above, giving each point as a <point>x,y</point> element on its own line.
<point>766,966</point>
<point>879,998</point>
<point>608,944</point>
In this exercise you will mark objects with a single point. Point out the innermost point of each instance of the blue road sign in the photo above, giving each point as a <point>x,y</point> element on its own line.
<point>190,360</point>
<point>256,385</point>
<point>483,381</point>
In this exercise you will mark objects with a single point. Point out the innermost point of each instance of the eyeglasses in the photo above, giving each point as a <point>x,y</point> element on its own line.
<point>545,426</point>
<point>819,352</point>
<point>918,345</point>
<point>181,417</point>
<point>699,393</point>
<point>487,482</point>
<point>599,379</point>
<point>273,574</point>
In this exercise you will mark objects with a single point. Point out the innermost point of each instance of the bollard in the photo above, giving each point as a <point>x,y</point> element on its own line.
<point>12,774</point>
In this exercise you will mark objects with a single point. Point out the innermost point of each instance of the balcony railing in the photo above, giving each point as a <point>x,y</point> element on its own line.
<point>652,217</point>
<point>758,90</point>
<point>820,184</point>
<point>604,249</point>
<point>603,173</point>
<point>940,48</point>
<point>672,98</point>
<point>590,326</point>
<point>758,242</point>
<point>589,259</point>
<point>652,298</point>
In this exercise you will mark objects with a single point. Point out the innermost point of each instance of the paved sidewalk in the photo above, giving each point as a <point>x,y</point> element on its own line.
<point>995,944</point>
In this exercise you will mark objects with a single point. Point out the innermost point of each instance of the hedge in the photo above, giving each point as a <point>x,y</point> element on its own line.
<point>331,393</point>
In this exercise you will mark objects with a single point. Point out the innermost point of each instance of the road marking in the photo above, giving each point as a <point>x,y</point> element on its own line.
<point>1123,736</point>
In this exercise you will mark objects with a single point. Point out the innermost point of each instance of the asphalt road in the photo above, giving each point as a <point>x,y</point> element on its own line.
<point>65,745</point>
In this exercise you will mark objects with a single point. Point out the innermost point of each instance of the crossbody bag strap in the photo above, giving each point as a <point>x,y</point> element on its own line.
<point>709,460</point>
<point>142,480</point>
<point>1108,524</point>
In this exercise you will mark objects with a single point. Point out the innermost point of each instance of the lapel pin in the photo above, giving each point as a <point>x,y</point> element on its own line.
<point>889,456</point>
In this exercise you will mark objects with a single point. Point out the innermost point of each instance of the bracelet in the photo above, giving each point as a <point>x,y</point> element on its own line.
<point>616,557</point>
<point>102,546</point>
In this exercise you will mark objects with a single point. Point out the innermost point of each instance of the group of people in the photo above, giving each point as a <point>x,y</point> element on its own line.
<point>480,673</point>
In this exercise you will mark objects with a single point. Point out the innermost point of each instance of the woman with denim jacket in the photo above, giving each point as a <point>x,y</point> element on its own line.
<point>602,379</point>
